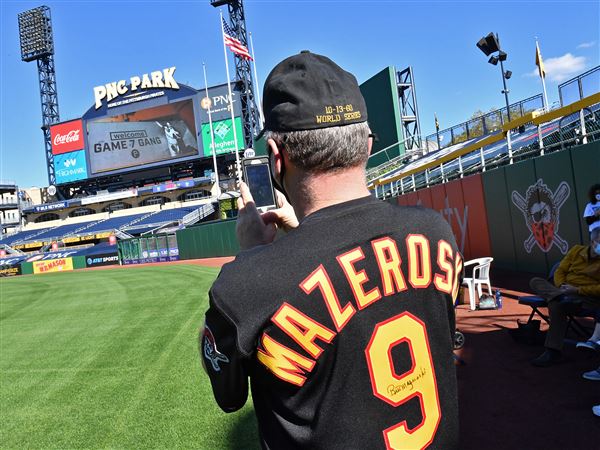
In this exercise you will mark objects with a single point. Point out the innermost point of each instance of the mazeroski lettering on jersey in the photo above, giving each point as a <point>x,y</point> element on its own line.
<point>395,276</point>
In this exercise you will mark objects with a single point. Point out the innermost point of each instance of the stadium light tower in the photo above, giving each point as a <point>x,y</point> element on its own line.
<point>243,72</point>
<point>491,44</point>
<point>37,44</point>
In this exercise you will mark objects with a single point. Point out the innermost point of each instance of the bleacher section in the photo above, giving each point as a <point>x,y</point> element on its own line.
<point>133,223</point>
<point>159,218</point>
<point>25,235</point>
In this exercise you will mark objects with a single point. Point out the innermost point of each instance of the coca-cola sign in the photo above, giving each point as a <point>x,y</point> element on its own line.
<point>66,137</point>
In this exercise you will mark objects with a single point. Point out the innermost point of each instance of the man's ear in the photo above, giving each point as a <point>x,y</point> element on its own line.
<point>277,157</point>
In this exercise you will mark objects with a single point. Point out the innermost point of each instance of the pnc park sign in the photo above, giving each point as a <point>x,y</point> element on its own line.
<point>154,80</point>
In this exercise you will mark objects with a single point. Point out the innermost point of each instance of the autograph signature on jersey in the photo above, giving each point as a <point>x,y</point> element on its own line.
<point>210,351</point>
<point>395,389</point>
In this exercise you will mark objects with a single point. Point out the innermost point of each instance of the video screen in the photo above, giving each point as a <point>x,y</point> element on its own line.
<point>259,182</point>
<point>142,137</point>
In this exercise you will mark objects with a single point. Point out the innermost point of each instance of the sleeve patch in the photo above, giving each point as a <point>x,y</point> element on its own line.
<point>211,353</point>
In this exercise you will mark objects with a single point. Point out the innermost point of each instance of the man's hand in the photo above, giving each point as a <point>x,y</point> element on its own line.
<point>284,216</point>
<point>251,229</point>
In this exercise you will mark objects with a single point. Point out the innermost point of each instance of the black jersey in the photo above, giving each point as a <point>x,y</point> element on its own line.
<point>345,328</point>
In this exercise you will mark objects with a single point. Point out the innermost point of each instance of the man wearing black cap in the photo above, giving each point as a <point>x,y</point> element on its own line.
<point>344,325</point>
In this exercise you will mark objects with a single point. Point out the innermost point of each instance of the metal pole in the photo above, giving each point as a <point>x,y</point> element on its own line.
<point>540,139</point>
<point>414,183</point>
<point>460,166</point>
<point>482,159</point>
<point>238,168</point>
<point>260,111</point>
<point>212,136</point>
<point>583,131</point>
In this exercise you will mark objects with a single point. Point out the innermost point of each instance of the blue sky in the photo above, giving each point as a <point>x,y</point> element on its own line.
<point>97,42</point>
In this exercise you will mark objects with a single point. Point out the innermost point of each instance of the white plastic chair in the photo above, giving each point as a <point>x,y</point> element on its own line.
<point>480,276</point>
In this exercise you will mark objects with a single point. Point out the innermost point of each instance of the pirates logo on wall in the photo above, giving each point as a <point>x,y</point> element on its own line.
<point>541,208</point>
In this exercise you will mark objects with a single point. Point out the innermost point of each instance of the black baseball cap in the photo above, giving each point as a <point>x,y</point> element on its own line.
<point>309,91</point>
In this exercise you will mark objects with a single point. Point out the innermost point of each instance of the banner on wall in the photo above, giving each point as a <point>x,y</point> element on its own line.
<point>6,271</point>
<point>66,137</point>
<point>105,259</point>
<point>53,265</point>
<point>223,135</point>
<point>70,167</point>
<point>541,211</point>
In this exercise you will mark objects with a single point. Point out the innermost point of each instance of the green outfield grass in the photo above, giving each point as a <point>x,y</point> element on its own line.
<point>109,359</point>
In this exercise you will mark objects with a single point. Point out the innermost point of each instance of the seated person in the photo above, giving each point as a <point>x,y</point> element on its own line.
<point>576,284</point>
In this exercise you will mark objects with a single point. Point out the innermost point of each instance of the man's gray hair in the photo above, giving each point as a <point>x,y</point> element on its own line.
<point>325,149</point>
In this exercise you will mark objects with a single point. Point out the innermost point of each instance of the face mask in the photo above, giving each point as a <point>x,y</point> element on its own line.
<point>274,180</point>
<point>598,197</point>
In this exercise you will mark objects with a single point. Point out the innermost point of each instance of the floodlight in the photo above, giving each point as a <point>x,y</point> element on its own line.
<point>502,56</point>
<point>493,60</point>
<point>488,44</point>
<point>507,74</point>
<point>35,34</point>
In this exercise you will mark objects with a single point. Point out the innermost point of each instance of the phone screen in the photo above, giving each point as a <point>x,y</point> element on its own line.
<point>258,179</point>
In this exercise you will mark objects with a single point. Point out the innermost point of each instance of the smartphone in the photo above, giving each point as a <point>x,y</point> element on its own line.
<point>257,176</point>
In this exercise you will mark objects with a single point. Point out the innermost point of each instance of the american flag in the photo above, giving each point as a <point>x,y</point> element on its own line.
<point>234,44</point>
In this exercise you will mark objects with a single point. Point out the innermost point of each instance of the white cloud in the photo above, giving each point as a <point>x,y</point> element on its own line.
<point>587,44</point>
<point>562,67</point>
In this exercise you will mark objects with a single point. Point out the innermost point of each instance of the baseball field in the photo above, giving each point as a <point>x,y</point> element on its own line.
<point>109,359</point>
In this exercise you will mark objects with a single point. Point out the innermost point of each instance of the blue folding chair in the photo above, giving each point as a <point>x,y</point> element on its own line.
<point>535,302</point>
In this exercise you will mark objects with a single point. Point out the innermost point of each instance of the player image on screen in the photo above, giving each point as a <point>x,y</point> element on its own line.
<point>259,181</point>
<point>173,138</point>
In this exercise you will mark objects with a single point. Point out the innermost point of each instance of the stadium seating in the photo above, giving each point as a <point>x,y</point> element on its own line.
<point>114,223</point>
<point>159,218</point>
<point>22,236</point>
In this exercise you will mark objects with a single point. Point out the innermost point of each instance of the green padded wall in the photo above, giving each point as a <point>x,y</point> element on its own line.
<point>208,240</point>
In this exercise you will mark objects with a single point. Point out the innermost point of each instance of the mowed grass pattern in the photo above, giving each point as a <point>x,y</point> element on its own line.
<point>109,359</point>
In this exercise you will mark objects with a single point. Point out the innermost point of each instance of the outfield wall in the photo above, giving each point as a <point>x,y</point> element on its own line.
<point>208,240</point>
<point>526,215</point>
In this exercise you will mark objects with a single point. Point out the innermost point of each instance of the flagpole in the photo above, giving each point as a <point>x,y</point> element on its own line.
<point>256,84</point>
<point>437,131</point>
<point>235,141</point>
<point>212,136</point>
<point>542,75</point>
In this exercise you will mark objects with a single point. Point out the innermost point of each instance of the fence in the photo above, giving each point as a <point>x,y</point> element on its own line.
<point>482,125</point>
<point>581,86</point>
<point>578,123</point>
<point>155,248</point>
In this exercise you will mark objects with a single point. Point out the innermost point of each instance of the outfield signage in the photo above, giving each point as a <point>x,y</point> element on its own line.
<point>105,259</point>
<point>49,207</point>
<point>173,185</point>
<point>110,196</point>
<point>155,80</point>
<point>10,271</point>
<point>53,265</point>
<point>66,137</point>
<point>70,167</point>
<point>48,256</point>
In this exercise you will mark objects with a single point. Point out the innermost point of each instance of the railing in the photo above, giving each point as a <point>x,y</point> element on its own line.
<point>198,214</point>
<point>578,123</point>
<point>581,86</point>
<point>483,125</point>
